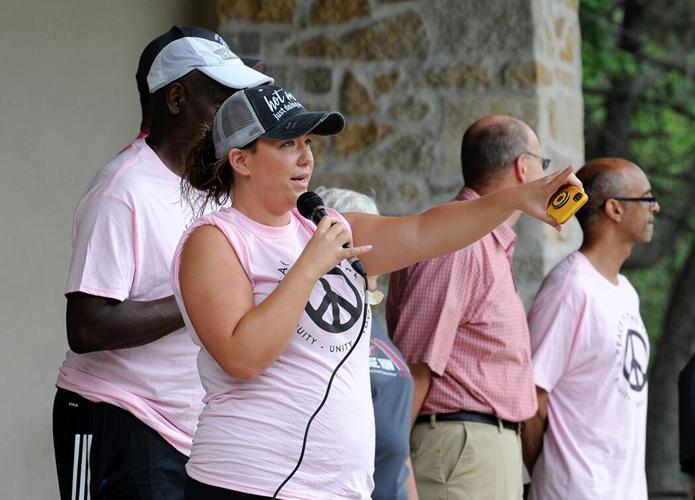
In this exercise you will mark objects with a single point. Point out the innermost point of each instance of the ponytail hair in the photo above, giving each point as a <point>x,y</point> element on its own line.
<point>206,181</point>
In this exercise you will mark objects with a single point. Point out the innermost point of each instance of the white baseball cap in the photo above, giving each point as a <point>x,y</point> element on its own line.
<point>184,55</point>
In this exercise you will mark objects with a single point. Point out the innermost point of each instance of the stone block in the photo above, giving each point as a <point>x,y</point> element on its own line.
<point>528,275</point>
<point>385,83</point>
<point>445,184</point>
<point>399,37</point>
<point>567,53</point>
<point>408,195</point>
<point>319,147</point>
<point>460,114</point>
<point>354,97</point>
<point>566,79</point>
<point>559,26</point>
<point>318,80</point>
<point>364,181</point>
<point>281,75</point>
<point>408,154</point>
<point>463,76</point>
<point>357,137</point>
<point>269,11</point>
<point>552,120</point>
<point>409,110</point>
<point>566,122</point>
<point>526,75</point>
<point>472,29</point>
<point>549,39</point>
<point>336,11</point>
<point>311,105</point>
<point>243,43</point>
<point>570,236</point>
<point>320,46</point>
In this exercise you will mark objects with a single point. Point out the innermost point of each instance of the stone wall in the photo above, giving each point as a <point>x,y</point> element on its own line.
<point>410,76</point>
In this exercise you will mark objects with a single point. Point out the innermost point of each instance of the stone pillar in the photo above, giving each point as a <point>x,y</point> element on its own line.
<point>410,76</point>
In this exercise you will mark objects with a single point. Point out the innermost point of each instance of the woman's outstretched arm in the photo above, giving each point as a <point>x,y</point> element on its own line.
<point>400,241</point>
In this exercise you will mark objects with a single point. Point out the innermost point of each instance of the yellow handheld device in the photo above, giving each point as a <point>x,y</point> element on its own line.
<point>565,203</point>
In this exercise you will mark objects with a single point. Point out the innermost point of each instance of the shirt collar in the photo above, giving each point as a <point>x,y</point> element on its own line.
<point>503,234</point>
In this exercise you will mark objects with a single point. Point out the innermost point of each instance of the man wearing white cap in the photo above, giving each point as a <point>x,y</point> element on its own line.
<point>152,49</point>
<point>128,391</point>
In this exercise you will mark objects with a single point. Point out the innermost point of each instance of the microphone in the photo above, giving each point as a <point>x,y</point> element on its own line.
<point>310,205</point>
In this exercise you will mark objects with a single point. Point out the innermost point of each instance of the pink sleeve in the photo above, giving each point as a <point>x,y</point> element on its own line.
<point>433,302</point>
<point>103,256</point>
<point>554,327</point>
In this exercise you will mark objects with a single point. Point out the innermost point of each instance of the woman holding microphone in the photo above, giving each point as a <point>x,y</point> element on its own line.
<point>277,303</point>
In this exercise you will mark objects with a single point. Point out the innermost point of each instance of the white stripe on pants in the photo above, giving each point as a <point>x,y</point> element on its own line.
<point>80,467</point>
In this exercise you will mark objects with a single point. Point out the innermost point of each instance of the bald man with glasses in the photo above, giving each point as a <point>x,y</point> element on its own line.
<point>591,350</point>
<point>461,326</point>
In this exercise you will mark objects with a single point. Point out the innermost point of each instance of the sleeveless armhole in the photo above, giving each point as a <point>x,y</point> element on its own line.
<point>234,237</point>
<point>236,240</point>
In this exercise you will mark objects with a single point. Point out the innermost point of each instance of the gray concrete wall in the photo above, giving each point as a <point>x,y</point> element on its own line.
<point>68,103</point>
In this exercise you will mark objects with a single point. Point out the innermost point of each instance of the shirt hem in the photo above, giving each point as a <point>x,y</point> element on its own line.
<point>168,434</point>
<point>97,292</point>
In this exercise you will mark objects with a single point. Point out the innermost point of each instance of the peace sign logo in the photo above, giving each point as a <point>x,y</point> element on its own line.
<point>635,359</point>
<point>336,303</point>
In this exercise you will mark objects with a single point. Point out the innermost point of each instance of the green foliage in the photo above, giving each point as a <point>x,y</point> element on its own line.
<point>654,284</point>
<point>662,117</point>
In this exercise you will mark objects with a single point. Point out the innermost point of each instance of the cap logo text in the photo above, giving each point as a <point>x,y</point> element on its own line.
<point>224,53</point>
<point>280,102</point>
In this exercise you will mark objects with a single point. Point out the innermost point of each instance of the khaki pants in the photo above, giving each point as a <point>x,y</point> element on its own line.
<point>466,461</point>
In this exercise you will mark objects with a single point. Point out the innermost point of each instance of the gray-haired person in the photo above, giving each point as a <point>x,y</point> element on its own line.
<point>392,383</point>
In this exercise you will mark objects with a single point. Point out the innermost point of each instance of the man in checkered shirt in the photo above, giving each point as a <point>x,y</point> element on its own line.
<point>462,328</point>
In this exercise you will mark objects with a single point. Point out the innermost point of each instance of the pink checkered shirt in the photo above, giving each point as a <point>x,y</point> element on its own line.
<point>461,315</point>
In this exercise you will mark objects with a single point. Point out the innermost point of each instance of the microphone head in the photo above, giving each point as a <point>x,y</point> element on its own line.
<point>310,205</point>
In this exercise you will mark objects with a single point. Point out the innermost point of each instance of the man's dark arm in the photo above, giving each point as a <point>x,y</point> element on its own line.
<point>534,428</point>
<point>422,379</point>
<point>98,323</point>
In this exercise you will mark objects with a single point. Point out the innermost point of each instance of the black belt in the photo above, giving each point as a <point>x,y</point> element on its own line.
<point>469,416</point>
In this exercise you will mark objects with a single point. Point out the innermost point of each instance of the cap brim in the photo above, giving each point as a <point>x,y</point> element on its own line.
<point>319,123</point>
<point>236,76</point>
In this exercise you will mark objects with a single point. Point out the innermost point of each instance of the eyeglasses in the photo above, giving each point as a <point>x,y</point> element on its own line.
<point>645,199</point>
<point>545,162</point>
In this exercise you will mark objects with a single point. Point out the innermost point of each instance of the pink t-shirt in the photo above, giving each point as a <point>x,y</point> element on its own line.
<point>250,433</point>
<point>590,352</point>
<point>125,232</point>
